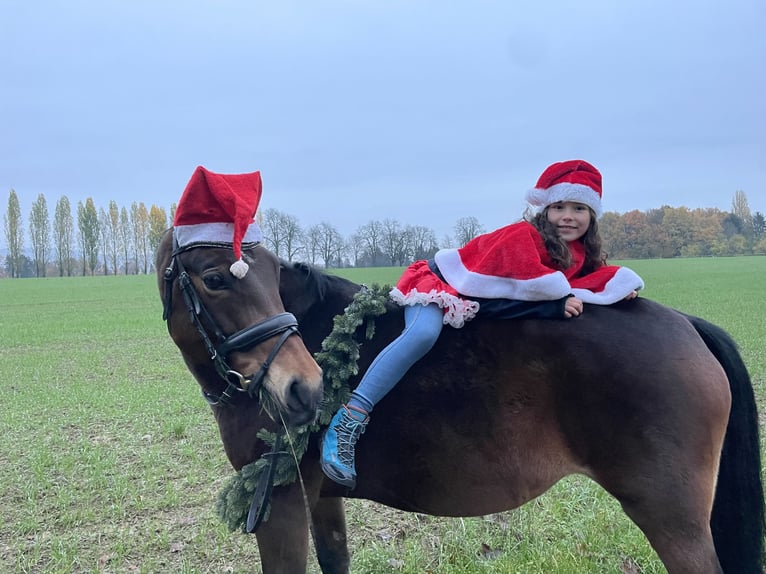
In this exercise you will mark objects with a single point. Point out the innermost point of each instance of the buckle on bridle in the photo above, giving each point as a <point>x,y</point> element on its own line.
<point>238,380</point>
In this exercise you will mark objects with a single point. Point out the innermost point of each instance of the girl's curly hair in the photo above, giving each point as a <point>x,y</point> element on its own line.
<point>559,251</point>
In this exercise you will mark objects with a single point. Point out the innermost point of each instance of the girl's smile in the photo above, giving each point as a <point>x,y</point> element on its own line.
<point>570,218</point>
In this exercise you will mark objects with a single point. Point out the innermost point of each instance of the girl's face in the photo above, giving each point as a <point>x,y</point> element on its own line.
<point>570,218</point>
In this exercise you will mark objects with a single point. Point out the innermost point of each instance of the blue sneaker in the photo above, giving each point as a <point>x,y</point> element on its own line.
<point>338,444</point>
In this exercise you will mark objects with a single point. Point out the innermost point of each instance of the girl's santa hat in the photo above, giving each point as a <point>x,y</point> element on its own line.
<point>219,209</point>
<point>572,180</point>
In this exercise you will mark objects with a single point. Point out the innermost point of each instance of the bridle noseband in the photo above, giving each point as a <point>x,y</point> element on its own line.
<point>284,324</point>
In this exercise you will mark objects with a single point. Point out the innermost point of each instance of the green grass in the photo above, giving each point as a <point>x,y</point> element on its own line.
<point>110,460</point>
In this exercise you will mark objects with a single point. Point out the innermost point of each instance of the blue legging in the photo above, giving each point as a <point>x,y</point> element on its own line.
<point>422,326</point>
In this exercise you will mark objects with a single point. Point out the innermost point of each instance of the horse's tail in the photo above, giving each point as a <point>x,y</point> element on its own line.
<point>737,521</point>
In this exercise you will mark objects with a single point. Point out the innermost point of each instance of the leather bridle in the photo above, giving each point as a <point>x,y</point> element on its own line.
<point>221,345</point>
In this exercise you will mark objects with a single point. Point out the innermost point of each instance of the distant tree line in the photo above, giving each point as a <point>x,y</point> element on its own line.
<point>681,232</point>
<point>123,240</point>
<point>88,241</point>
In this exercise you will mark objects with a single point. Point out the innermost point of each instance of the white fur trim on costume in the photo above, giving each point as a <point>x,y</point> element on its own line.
<point>551,286</point>
<point>456,310</point>
<point>214,233</point>
<point>541,198</point>
<point>623,282</point>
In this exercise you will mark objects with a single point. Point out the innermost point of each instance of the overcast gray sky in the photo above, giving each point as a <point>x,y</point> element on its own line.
<point>422,111</point>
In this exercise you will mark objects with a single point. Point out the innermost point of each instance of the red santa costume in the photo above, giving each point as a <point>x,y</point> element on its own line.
<point>513,263</point>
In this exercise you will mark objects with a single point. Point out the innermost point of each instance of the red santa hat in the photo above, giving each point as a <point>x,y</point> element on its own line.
<point>572,180</point>
<point>219,209</point>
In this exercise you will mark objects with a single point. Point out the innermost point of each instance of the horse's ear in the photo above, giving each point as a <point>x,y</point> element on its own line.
<point>287,284</point>
<point>300,287</point>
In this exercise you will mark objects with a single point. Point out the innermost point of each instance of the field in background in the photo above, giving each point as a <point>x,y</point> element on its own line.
<point>110,459</point>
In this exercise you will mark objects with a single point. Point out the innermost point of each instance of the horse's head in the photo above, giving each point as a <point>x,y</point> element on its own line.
<point>234,333</point>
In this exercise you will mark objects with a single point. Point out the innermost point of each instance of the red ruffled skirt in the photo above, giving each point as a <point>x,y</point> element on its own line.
<point>418,285</point>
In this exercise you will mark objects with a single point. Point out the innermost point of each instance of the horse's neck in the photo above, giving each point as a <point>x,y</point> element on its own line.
<point>317,322</point>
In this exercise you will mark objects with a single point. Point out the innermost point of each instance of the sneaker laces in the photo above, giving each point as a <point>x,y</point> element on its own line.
<point>349,430</point>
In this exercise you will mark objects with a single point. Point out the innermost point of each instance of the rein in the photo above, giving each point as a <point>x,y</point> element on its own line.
<point>283,324</point>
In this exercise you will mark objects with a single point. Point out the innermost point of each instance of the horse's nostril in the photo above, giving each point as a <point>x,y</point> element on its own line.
<point>302,396</point>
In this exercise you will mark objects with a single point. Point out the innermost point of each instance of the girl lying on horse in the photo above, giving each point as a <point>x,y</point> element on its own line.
<point>554,254</point>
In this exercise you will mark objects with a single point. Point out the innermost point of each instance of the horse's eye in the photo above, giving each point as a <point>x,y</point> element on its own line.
<point>214,281</point>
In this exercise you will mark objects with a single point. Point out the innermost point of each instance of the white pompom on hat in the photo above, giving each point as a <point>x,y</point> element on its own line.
<point>572,180</point>
<point>220,209</point>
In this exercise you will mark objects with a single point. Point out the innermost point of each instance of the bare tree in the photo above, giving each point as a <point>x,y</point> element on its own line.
<point>14,235</point>
<point>355,247</point>
<point>423,243</point>
<point>282,232</point>
<point>271,225</point>
<point>293,237</point>
<point>40,233</point>
<point>466,229</point>
<point>330,244</point>
<point>394,242</point>
<point>371,235</point>
<point>312,240</point>
<point>87,224</point>
<point>63,235</point>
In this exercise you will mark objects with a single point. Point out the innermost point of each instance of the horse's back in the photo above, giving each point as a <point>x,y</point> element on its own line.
<point>499,411</point>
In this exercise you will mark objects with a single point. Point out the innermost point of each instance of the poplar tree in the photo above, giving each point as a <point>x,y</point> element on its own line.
<point>14,235</point>
<point>125,237</point>
<point>40,234</point>
<point>114,237</point>
<point>139,220</point>
<point>105,233</point>
<point>158,223</point>
<point>63,235</point>
<point>87,224</point>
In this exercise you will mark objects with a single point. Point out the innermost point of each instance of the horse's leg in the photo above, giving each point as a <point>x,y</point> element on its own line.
<point>283,537</point>
<point>329,527</point>
<point>677,526</point>
<point>668,492</point>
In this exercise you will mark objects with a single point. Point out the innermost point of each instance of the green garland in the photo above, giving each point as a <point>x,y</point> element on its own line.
<point>339,361</point>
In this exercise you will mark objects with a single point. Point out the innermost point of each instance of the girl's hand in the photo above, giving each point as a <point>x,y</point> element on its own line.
<point>632,295</point>
<point>572,307</point>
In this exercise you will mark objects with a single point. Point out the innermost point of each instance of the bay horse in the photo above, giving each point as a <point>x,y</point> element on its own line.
<point>655,406</point>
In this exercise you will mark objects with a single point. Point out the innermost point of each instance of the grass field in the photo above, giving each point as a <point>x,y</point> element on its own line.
<point>110,459</point>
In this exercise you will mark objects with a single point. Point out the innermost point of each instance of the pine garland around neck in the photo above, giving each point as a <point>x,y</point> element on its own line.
<point>339,359</point>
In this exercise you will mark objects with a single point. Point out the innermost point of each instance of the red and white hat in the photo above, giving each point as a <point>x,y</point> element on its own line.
<point>572,180</point>
<point>219,209</point>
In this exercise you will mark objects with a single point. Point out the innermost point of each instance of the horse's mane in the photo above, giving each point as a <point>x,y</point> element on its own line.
<point>317,281</point>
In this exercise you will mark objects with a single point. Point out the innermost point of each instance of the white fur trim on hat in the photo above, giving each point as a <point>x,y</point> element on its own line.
<point>214,233</point>
<point>541,198</point>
